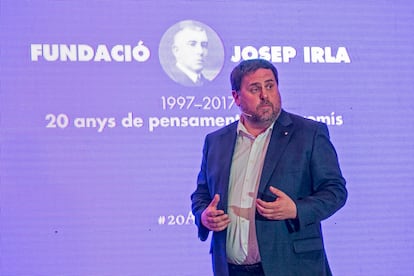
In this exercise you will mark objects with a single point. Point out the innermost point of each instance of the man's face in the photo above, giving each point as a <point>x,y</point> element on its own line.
<point>259,97</point>
<point>190,48</point>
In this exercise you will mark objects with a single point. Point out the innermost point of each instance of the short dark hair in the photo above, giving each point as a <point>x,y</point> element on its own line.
<point>250,66</point>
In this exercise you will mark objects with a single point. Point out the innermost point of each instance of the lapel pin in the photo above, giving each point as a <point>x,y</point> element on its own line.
<point>286,133</point>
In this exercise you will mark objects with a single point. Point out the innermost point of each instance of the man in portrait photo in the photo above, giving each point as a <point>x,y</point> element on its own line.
<point>190,49</point>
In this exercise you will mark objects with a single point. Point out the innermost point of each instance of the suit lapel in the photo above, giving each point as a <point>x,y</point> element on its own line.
<point>227,145</point>
<point>281,134</point>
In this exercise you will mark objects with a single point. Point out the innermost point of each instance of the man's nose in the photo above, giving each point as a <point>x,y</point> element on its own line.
<point>263,94</point>
<point>199,48</point>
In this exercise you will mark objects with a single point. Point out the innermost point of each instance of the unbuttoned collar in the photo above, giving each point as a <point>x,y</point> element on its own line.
<point>241,130</point>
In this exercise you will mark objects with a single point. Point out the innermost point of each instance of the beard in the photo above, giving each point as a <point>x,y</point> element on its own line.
<point>264,115</point>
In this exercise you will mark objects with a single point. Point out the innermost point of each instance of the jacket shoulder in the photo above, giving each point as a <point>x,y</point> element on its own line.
<point>224,130</point>
<point>305,123</point>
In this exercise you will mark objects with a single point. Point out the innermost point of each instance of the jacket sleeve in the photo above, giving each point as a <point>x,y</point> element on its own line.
<point>328,185</point>
<point>201,197</point>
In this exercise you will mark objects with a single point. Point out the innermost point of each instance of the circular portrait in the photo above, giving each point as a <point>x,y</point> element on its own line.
<point>191,53</point>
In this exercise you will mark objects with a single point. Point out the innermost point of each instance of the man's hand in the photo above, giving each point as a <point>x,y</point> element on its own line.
<point>213,219</point>
<point>280,209</point>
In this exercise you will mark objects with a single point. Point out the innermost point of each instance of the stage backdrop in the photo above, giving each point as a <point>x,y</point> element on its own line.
<point>101,143</point>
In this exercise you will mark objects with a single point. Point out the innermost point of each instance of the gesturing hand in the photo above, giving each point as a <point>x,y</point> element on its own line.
<point>213,219</point>
<point>282,208</point>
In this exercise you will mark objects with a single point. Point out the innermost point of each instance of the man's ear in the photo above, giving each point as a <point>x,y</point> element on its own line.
<point>174,50</point>
<point>236,97</point>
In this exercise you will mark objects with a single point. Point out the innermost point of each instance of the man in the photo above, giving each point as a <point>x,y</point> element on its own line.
<point>190,48</point>
<point>266,183</point>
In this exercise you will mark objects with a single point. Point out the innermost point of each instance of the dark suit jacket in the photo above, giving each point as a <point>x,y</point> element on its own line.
<point>179,76</point>
<point>300,161</point>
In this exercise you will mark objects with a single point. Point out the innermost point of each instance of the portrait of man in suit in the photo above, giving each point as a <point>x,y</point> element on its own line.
<point>190,49</point>
<point>265,184</point>
<point>191,53</point>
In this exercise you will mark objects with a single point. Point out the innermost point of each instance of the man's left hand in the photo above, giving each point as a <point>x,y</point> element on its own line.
<point>280,209</point>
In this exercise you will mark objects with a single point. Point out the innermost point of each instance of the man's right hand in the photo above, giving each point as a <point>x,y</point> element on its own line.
<point>213,219</point>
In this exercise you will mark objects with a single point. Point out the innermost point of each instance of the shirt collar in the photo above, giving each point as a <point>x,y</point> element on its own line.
<point>241,130</point>
<point>193,76</point>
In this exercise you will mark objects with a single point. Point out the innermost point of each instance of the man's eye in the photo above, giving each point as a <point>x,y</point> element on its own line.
<point>269,86</point>
<point>254,90</point>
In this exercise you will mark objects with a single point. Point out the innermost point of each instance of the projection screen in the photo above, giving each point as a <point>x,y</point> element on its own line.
<point>100,143</point>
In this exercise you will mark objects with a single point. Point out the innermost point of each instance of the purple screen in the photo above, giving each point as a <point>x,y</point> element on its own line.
<point>100,145</point>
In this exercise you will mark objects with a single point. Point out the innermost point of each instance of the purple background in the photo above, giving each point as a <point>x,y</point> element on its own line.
<point>76,201</point>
